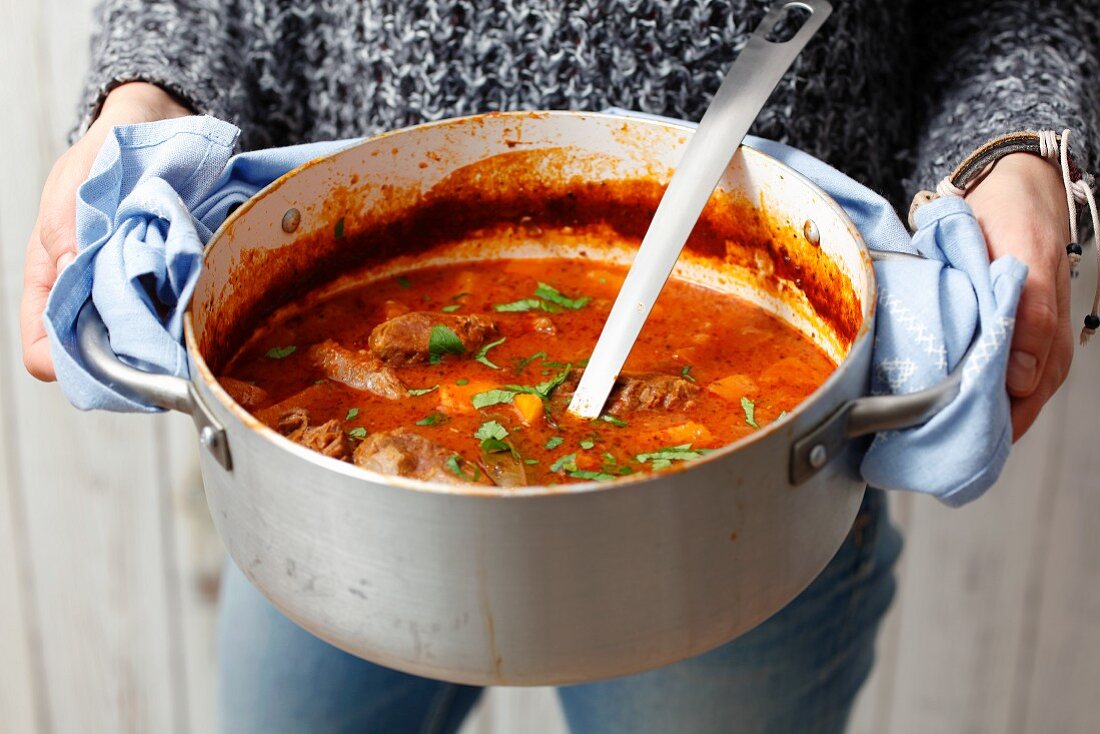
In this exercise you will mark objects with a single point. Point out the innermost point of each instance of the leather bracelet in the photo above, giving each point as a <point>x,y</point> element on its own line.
<point>1046,144</point>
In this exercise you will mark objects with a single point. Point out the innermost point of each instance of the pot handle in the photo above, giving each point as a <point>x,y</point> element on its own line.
<point>872,414</point>
<point>164,391</point>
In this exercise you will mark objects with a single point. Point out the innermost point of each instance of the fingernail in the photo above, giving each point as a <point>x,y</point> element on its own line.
<point>1021,370</point>
<point>65,261</point>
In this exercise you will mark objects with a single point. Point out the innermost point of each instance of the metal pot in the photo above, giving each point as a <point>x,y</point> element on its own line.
<point>538,585</point>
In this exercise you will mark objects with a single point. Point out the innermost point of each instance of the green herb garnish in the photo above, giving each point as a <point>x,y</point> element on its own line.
<point>339,230</point>
<point>451,308</point>
<point>530,462</point>
<point>281,352</point>
<point>462,381</point>
<point>521,365</point>
<point>567,462</point>
<point>443,341</point>
<point>527,304</point>
<point>491,429</point>
<point>456,468</point>
<point>481,354</point>
<point>553,295</point>
<point>554,442</point>
<point>418,391</point>
<point>404,282</point>
<point>595,476</point>
<point>492,397</point>
<point>662,458</point>
<point>352,412</point>
<point>431,419</point>
<point>750,411</point>
<point>587,443</point>
<point>617,422</point>
<point>685,372</point>
<point>358,432</point>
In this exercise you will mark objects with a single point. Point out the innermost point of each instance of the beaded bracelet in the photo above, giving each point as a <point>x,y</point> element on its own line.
<point>1078,185</point>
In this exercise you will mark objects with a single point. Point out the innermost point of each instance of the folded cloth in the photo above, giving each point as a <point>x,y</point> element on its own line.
<point>158,190</point>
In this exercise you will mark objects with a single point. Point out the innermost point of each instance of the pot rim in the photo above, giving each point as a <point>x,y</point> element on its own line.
<point>200,369</point>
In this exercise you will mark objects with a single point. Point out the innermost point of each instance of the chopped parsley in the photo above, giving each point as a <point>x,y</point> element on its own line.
<point>526,304</point>
<point>554,442</point>
<point>567,462</point>
<point>750,411</point>
<point>587,443</point>
<point>418,391</point>
<point>530,462</point>
<point>339,230</point>
<point>358,432</point>
<point>456,468</point>
<point>662,458</point>
<point>521,364</point>
<point>443,341</point>
<point>481,354</point>
<point>491,429</point>
<point>553,295</point>
<point>617,422</point>
<point>685,372</point>
<point>431,419</point>
<point>352,412</point>
<point>462,381</point>
<point>595,476</point>
<point>281,352</point>
<point>451,308</point>
<point>609,458</point>
<point>492,397</point>
<point>404,282</point>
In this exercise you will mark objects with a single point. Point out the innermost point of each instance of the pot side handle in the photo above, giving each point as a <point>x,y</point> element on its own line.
<point>867,415</point>
<point>164,391</point>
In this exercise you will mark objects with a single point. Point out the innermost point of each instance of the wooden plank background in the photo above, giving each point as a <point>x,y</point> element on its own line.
<point>109,565</point>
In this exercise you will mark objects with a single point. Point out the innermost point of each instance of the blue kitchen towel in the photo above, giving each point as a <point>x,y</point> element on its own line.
<point>157,191</point>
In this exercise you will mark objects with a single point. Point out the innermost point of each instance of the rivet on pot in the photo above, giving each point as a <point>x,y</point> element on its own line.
<point>810,232</point>
<point>208,437</point>
<point>818,456</point>
<point>291,220</point>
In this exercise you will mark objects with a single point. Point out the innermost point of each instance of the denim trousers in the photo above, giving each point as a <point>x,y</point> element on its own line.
<point>799,671</point>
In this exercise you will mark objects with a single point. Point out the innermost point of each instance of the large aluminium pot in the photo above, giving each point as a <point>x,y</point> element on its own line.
<point>537,585</point>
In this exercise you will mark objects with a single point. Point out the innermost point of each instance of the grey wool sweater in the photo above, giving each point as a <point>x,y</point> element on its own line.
<point>893,92</point>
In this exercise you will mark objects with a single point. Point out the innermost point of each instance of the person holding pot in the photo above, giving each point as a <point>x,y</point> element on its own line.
<point>894,94</point>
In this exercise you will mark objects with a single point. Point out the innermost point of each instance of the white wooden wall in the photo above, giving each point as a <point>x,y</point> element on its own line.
<point>108,564</point>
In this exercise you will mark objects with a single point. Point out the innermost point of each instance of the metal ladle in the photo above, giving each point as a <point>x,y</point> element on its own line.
<point>747,86</point>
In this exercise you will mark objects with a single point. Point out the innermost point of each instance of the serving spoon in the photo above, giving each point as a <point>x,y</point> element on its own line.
<point>746,87</point>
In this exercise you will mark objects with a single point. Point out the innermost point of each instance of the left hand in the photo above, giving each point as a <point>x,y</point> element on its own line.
<point>1021,207</point>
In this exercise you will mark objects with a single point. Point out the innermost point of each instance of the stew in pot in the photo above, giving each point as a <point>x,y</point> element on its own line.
<point>463,372</point>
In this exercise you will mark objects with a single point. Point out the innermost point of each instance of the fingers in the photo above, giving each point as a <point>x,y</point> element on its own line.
<point>57,212</point>
<point>1037,322</point>
<point>39,275</point>
<point>1025,407</point>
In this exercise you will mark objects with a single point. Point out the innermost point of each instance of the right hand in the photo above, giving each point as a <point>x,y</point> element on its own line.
<point>52,245</point>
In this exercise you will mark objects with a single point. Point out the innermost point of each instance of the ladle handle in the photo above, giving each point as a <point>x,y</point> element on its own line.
<point>736,104</point>
<point>164,391</point>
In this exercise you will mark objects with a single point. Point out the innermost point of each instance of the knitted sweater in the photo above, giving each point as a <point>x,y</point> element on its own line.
<point>893,92</point>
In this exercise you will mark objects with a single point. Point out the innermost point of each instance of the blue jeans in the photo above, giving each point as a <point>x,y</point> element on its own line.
<point>797,672</point>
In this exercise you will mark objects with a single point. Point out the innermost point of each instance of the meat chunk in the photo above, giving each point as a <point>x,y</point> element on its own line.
<point>244,393</point>
<point>636,392</point>
<point>405,453</point>
<point>358,369</point>
<point>328,438</point>
<point>405,339</point>
<point>651,392</point>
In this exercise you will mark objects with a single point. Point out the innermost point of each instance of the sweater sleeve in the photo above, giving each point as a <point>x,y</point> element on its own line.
<point>190,48</point>
<point>989,68</point>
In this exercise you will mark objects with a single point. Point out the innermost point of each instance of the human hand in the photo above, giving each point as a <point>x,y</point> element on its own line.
<point>1021,207</point>
<point>52,244</point>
